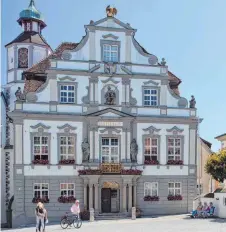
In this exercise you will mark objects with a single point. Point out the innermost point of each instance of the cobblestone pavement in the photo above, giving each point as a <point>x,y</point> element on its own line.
<point>180,223</point>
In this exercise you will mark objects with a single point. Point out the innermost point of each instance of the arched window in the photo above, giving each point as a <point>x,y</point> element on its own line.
<point>22,58</point>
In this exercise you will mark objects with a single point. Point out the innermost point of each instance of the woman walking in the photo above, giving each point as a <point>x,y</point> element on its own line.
<point>40,215</point>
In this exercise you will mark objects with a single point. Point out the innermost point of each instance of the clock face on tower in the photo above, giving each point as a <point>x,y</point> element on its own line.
<point>23,58</point>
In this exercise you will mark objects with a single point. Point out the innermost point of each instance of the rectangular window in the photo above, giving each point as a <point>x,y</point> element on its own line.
<point>174,188</point>
<point>174,148</point>
<point>67,94</point>
<point>151,148</point>
<point>110,53</point>
<point>41,190</point>
<point>110,150</point>
<point>151,189</point>
<point>150,97</point>
<point>67,147</point>
<point>67,190</point>
<point>41,147</point>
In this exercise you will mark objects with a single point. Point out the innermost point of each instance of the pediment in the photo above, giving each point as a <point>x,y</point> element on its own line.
<point>111,22</point>
<point>110,113</point>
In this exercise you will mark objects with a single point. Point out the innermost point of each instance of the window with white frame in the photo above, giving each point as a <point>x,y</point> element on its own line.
<point>110,150</point>
<point>110,53</point>
<point>150,97</point>
<point>67,94</point>
<point>67,147</point>
<point>151,189</point>
<point>174,148</point>
<point>41,190</point>
<point>174,188</point>
<point>151,148</point>
<point>67,190</point>
<point>41,147</point>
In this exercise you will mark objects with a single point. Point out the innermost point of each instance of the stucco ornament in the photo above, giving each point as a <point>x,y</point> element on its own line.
<point>31,97</point>
<point>85,150</point>
<point>192,102</point>
<point>133,150</point>
<point>19,95</point>
<point>111,11</point>
<point>110,68</point>
<point>110,96</point>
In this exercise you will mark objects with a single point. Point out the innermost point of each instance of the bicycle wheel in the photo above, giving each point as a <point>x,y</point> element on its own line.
<point>64,223</point>
<point>77,223</point>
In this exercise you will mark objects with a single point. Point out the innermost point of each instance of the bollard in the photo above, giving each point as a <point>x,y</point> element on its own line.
<point>91,218</point>
<point>134,213</point>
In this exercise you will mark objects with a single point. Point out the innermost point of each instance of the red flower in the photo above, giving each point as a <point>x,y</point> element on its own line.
<point>175,198</point>
<point>175,162</point>
<point>151,162</point>
<point>151,198</point>
<point>90,172</point>
<point>131,172</point>
<point>38,199</point>
<point>43,162</point>
<point>66,161</point>
<point>63,199</point>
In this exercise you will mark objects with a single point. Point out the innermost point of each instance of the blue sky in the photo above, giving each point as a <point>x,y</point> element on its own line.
<point>190,35</point>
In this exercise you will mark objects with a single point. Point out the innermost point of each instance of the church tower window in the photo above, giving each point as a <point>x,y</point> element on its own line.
<point>23,58</point>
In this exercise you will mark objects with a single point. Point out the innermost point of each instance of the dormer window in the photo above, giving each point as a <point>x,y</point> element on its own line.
<point>110,51</point>
<point>150,96</point>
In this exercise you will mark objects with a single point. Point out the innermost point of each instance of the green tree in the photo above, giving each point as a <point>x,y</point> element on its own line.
<point>216,166</point>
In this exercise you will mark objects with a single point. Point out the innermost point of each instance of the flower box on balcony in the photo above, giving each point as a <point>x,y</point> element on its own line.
<point>151,162</point>
<point>151,198</point>
<point>63,199</point>
<point>131,172</point>
<point>175,198</point>
<point>90,172</point>
<point>38,199</point>
<point>42,162</point>
<point>175,162</point>
<point>67,162</point>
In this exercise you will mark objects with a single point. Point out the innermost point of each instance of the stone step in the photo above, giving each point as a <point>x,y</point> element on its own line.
<point>110,216</point>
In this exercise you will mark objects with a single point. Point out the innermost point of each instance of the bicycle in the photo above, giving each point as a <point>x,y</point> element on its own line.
<point>68,220</point>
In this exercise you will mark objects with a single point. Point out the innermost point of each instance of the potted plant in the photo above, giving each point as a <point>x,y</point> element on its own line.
<point>39,199</point>
<point>175,162</point>
<point>67,161</point>
<point>65,199</point>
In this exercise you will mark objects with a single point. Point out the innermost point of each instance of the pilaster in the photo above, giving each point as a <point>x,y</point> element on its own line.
<point>30,55</point>
<point>96,206</point>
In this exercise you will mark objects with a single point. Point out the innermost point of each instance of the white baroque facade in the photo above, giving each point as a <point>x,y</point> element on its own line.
<point>103,122</point>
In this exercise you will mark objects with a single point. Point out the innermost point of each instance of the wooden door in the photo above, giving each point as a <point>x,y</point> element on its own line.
<point>106,200</point>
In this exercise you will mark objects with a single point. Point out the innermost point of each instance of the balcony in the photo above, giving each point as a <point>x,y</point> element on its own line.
<point>111,168</point>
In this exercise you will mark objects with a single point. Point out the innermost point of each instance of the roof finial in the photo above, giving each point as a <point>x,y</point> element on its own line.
<point>111,11</point>
<point>32,3</point>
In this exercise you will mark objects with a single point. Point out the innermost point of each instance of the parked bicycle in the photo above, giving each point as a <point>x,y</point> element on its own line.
<point>68,220</point>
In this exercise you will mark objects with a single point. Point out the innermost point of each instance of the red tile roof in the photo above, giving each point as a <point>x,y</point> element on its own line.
<point>43,65</point>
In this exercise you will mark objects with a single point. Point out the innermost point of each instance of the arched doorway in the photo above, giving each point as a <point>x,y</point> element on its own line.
<point>110,197</point>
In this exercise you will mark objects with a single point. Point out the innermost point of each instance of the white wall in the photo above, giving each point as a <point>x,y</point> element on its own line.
<point>39,53</point>
<point>162,133</point>
<point>10,58</point>
<point>27,156</point>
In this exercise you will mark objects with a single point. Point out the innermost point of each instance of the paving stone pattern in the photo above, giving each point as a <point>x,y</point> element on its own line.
<point>158,224</point>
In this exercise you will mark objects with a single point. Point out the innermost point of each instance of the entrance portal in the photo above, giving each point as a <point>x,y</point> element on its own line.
<point>110,195</point>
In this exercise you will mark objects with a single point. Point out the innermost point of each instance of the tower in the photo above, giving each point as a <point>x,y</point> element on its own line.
<point>29,47</point>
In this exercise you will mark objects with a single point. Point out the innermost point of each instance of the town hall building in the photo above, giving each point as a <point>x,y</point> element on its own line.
<point>101,121</point>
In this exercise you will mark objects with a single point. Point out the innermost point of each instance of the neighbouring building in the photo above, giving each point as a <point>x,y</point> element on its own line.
<point>222,139</point>
<point>101,121</point>
<point>205,183</point>
<point>3,143</point>
<point>27,49</point>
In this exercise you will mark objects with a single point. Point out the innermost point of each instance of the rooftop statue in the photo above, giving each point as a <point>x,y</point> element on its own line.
<point>111,11</point>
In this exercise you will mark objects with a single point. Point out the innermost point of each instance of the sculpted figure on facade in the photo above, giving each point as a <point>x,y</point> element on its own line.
<point>85,150</point>
<point>192,102</point>
<point>110,68</point>
<point>133,150</point>
<point>19,95</point>
<point>110,96</point>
